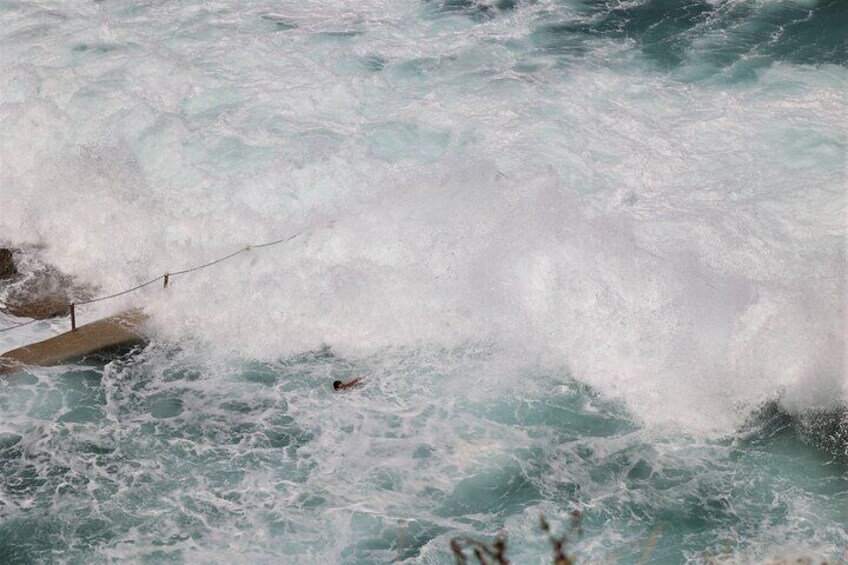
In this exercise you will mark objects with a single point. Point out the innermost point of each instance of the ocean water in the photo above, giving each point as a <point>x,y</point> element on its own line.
<point>586,255</point>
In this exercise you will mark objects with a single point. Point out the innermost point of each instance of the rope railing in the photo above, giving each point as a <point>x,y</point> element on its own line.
<point>164,277</point>
<point>16,326</point>
<point>117,294</point>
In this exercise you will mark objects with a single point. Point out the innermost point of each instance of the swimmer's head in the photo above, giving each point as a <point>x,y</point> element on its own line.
<point>337,385</point>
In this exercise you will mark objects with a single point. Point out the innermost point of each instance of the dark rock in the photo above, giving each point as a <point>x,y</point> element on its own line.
<point>7,264</point>
<point>45,293</point>
<point>39,307</point>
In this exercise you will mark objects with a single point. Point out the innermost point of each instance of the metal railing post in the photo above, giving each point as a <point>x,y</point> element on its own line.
<point>73,317</point>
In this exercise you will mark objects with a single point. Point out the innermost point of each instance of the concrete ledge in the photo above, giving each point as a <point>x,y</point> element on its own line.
<point>122,330</point>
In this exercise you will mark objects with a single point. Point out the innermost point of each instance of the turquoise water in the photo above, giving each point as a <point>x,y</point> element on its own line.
<point>586,255</point>
<point>168,461</point>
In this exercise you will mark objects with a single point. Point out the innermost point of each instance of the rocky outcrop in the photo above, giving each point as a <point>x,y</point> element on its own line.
<point>38,307</point>
<point>7,264</point>
<point>41,293</point>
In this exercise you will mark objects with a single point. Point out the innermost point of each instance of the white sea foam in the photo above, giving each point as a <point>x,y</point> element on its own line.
<point>678,245</point>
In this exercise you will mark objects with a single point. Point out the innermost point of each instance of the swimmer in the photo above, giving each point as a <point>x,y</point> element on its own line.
<point>339,385</point>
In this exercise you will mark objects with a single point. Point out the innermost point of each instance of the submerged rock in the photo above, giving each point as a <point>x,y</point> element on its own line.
<point>7,264</point>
